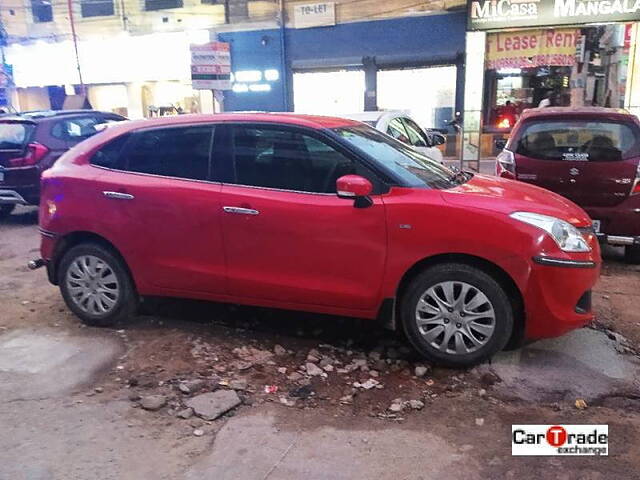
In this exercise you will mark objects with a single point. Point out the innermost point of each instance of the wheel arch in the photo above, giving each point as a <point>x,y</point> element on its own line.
<point>490,268</point>
<point>70,240</point>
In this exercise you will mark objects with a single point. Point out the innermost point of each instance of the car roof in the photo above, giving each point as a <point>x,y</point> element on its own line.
<point>311,121</point>
<point>36,114</point>
<point>578,112</point>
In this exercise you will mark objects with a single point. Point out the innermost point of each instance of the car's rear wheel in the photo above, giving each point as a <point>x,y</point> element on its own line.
<point>632,254</point>
<point>456,315</point>
<point>6,209</point>
<point>96,285</point>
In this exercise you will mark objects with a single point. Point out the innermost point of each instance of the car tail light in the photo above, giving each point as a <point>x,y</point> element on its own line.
<point>35,153</point>
<point>506,163</point>
<point>636,185</point>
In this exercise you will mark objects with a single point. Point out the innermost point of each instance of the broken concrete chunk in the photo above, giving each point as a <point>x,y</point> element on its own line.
<point>210,406</point>
<point>313,370</point>
<point>185,413</point>
<point>153,402</point>
<point>238,384</point>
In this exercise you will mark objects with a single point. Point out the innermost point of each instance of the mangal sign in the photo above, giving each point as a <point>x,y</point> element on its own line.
<point>498,14</point>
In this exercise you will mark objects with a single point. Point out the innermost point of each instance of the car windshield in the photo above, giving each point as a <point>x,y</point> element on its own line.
<point>415,169</point>
<point>13,136</point>
<point>577,140</point>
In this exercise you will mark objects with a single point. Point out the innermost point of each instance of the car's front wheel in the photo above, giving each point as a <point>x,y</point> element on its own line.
<point>456,315</point>
<point>96,285</point>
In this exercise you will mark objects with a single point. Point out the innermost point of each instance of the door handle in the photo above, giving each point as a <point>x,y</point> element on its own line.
<point>241,211</point>
<point>118,195</point>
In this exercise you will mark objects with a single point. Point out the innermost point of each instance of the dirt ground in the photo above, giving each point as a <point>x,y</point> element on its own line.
<point>176,341</point>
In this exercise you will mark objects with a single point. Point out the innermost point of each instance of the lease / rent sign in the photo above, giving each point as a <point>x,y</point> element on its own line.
<point>532,48</point>
<point>211,66</point>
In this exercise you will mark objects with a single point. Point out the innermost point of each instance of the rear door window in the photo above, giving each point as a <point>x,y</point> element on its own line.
<point>109,155</point>
<point>75,130</point>
<point>577,140</point>
<point>181,152</point>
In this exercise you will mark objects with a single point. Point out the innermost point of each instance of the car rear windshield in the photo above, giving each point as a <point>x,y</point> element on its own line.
<point>578,140</point>
<point>415,169</point>
<point>14,136</point>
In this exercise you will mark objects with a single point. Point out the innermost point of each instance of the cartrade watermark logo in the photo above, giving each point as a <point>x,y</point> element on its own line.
<point>560,440</point>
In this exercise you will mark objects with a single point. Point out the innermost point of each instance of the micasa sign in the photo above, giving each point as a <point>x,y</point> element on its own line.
<point>498,14</point>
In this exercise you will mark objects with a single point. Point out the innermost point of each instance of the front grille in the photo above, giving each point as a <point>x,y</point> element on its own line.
<point>584,304</point>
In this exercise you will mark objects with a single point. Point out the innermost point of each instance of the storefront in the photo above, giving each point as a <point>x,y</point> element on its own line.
<point>413,64</point>
<point>151,78</point>
<point>531,54</point>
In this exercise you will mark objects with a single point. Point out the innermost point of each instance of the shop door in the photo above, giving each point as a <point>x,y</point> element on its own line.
<point>329,93</point>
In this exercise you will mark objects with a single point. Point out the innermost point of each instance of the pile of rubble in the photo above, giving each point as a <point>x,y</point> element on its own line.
<point>253,375</point>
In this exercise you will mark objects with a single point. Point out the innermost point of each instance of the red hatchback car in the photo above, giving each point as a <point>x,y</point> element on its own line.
<point>319,214</point>
<point>588,155</point>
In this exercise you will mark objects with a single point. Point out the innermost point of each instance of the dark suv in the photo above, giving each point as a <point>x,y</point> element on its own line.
<point>31,142</point>
<point>589,155</point>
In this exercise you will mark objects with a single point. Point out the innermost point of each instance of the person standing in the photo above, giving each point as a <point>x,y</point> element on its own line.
<point>546,101</point>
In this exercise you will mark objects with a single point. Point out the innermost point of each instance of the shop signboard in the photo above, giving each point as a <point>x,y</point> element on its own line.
<point>531,48</point>
<point>501,14</point>
<point>211,66</point>
<point>314,15</point>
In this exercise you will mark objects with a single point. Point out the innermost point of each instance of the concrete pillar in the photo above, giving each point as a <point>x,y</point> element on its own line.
<point>371,84</point>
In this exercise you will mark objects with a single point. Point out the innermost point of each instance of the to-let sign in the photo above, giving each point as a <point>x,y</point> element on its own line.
<point>211,66</point>
<point>314,15</point>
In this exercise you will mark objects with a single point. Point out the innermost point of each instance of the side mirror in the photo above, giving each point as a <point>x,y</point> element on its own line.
<point>438,139</point>
<point>355,187</point>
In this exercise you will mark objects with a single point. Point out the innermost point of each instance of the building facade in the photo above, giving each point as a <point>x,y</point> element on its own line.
<point>133,56</point>
<point>545,53</point>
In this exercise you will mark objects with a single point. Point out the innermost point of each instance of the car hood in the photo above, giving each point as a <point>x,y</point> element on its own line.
<point>508,196</point>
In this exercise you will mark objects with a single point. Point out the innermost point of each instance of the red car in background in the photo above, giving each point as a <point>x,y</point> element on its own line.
<point>319,214</point>
<point>589,155</point>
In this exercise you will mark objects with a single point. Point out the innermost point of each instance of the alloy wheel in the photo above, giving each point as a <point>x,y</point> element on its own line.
<point>455,317</point>
<point>92,285</point>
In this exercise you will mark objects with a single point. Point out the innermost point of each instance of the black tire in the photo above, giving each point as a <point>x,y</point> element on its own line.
<point>632,254</point>
<point>6,209</point>
<point>481,282</point>
<point>126,302</point>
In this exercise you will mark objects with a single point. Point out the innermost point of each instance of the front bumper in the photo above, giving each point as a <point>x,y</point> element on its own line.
<point>557,298</point>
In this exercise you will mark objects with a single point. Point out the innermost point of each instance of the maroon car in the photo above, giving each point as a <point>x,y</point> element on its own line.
<point>31,142</point>
<point>590,155</point>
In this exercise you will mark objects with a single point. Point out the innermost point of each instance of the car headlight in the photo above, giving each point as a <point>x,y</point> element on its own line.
<point>568,237</point>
